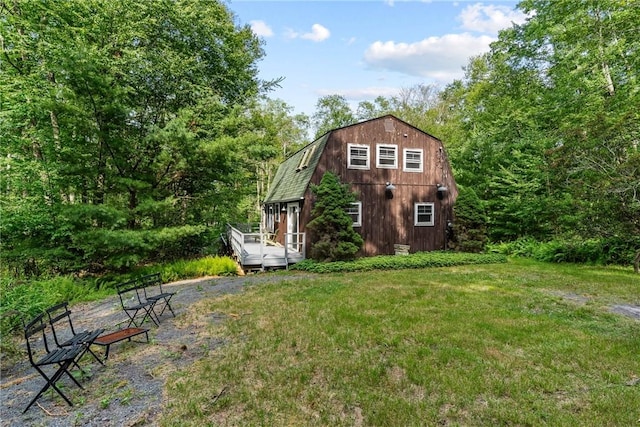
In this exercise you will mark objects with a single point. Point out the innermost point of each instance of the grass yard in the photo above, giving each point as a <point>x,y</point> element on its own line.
<point>521,343</point>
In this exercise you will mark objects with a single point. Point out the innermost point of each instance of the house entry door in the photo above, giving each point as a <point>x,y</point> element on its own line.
<point>293,226</point>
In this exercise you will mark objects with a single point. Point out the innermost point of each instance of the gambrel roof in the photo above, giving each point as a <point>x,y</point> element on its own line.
<point>293,175</point>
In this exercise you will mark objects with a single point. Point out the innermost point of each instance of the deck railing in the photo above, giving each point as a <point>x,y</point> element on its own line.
<point>254,249</point>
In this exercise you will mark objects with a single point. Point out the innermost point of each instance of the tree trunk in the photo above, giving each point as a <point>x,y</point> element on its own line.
<point>636,263</point>
<point>133,203</point>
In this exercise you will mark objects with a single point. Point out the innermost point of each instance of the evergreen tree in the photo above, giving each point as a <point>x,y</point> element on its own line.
<point>470,226</point>
<point>331,226</point>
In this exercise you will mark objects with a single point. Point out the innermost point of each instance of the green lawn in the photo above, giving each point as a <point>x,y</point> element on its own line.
<point>520,343</point>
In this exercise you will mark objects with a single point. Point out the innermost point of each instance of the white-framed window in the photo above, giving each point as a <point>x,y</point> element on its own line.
<point>355,212</point>
<point>358,156</point>
<point>413,160</point>
<point>424,214</point>
<point>386,156</point>
<point>276,213</point>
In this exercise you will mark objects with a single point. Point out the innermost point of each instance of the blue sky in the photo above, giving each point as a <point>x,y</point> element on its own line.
<point>364,49</point>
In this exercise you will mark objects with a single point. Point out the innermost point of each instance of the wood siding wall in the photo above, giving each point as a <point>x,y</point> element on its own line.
<point>388,221</point>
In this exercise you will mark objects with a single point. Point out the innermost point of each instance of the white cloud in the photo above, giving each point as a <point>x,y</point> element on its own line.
<point>489,18</point>
<point>318,33</point>
<point>366,93</point>
<point>260,28</point>
<point>438,58</point>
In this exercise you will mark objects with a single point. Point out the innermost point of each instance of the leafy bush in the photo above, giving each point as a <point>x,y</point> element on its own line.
<point>100,249</point>
<point>395,262</point>
<point>207,266</point>
<point>614,250</point>
<point>23,300</point>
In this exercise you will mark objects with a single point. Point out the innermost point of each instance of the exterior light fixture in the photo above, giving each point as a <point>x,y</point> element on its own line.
<point>284,208</point>
<point>442,190</point>
<point>388,190</point>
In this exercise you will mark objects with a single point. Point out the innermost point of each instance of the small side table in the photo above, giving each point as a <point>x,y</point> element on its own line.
<point>117,336</point>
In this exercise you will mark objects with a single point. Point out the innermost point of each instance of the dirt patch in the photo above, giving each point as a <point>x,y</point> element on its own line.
<point>627,310</point>
<point>128,390</point>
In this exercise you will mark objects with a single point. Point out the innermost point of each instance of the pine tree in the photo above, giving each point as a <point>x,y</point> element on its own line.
<point>331,226</point>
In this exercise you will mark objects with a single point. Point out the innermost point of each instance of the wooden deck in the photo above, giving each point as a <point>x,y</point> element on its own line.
<point>254,251</point>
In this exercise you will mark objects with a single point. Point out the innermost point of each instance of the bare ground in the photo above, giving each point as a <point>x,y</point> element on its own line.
<point>128,389</point>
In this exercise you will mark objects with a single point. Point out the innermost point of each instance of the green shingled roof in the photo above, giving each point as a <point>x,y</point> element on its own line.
<point>291,182</point>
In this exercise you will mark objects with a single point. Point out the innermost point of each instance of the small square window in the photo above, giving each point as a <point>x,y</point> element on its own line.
<point>424,214</point>
<point>355,212</point>
<point>387,156</point>
<point>413,160</point>
<point>358,156</point>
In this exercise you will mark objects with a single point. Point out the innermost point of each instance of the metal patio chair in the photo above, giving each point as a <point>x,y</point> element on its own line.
<point>134,305</point>
<point>43,359</point>
<point>64,333</point>
<point>151,285</point>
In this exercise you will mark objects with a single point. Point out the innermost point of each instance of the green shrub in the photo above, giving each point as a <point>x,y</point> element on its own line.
<point>396,262</point>
<point>331,227</point>
<point>23,300</point>
<point>613,250</point>
<point>470,223</point>
<point>186,269</point>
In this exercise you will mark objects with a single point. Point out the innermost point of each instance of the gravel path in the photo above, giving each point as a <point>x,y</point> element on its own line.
<point>128,390</point>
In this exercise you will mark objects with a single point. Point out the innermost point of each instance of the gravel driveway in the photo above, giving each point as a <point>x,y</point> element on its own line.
<point>128,390</point>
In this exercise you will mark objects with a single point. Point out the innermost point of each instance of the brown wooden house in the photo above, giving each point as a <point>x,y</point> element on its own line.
<point>400,174</point>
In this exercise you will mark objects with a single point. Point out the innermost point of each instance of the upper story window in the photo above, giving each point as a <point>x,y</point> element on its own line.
<point>423,214</point>
<point>387,156</point>
<point>413,160</point>
<point>355,212</point>
<point>358,156</point>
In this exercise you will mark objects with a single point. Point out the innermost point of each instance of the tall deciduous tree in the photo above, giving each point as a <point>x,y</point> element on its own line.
<point>332,112</point>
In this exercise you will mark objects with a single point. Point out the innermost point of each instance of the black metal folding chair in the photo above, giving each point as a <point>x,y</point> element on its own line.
<point>133,304</point>
<point>151,285</point>
<point>65,335</point>
<point>41,357</point>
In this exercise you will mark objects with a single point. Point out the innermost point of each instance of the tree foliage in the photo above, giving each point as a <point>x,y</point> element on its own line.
<point>332,112</point>
<point>332,228</point>
<point>118,118</point>
<point>544,126</point>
